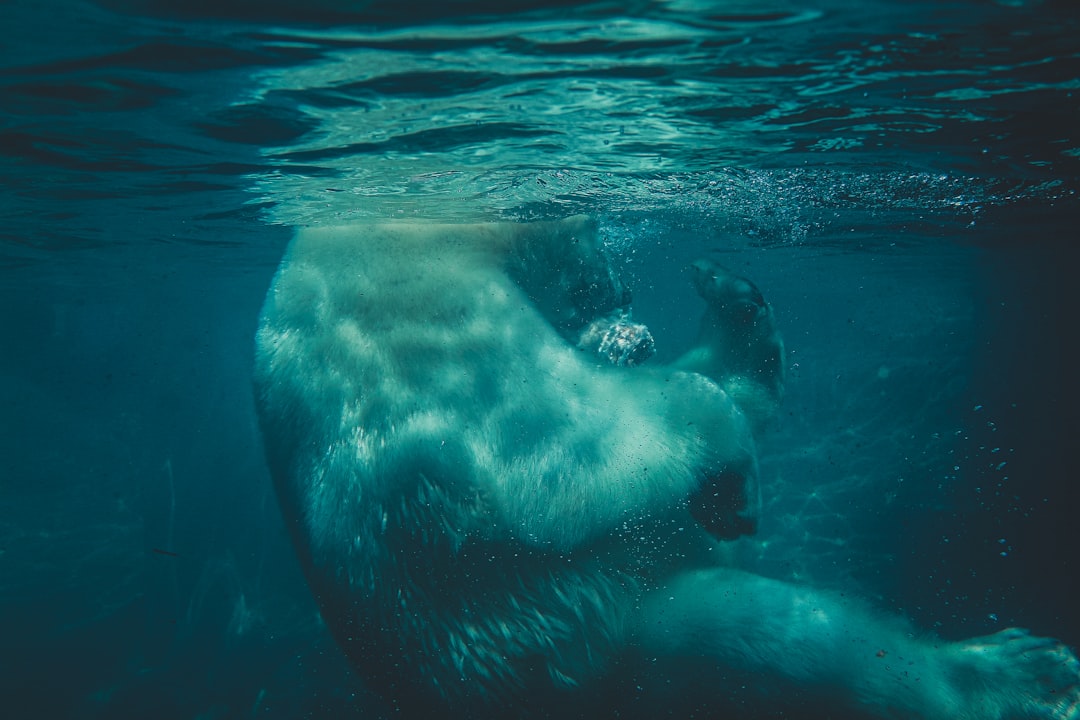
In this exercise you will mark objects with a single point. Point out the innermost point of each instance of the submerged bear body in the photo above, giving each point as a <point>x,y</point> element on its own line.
<point>497,521</point>
<point>459,475</point>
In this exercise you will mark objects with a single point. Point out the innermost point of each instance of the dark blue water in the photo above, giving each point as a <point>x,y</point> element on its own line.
<point>900,178</point>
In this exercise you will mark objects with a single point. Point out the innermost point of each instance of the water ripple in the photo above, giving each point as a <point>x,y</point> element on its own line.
<point>552,111</point>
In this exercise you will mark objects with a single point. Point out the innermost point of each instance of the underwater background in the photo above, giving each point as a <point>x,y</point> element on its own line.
<point>900,178</point>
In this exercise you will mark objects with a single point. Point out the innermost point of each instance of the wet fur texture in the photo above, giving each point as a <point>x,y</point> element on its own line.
<point>496,523</point>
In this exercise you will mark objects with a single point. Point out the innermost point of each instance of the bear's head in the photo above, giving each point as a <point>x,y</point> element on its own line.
<point>564,270</point>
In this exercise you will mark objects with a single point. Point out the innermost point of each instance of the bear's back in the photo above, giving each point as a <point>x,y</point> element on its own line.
<point>383,354</point>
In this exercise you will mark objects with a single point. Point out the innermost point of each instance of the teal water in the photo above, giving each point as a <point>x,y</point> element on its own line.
<point>899,178</point>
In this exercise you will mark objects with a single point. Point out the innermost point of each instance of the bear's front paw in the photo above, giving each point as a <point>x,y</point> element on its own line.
<point>730,295</point>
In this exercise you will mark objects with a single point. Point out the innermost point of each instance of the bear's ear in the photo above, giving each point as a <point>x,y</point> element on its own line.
<point>563,269</point>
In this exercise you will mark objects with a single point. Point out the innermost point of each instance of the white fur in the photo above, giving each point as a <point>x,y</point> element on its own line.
<point>496,524</point>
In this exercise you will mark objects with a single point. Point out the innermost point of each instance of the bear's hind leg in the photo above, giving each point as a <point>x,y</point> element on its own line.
<point>850,657</point>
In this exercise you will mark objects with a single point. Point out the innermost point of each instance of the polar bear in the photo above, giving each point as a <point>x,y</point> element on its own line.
<point>503,512</point>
